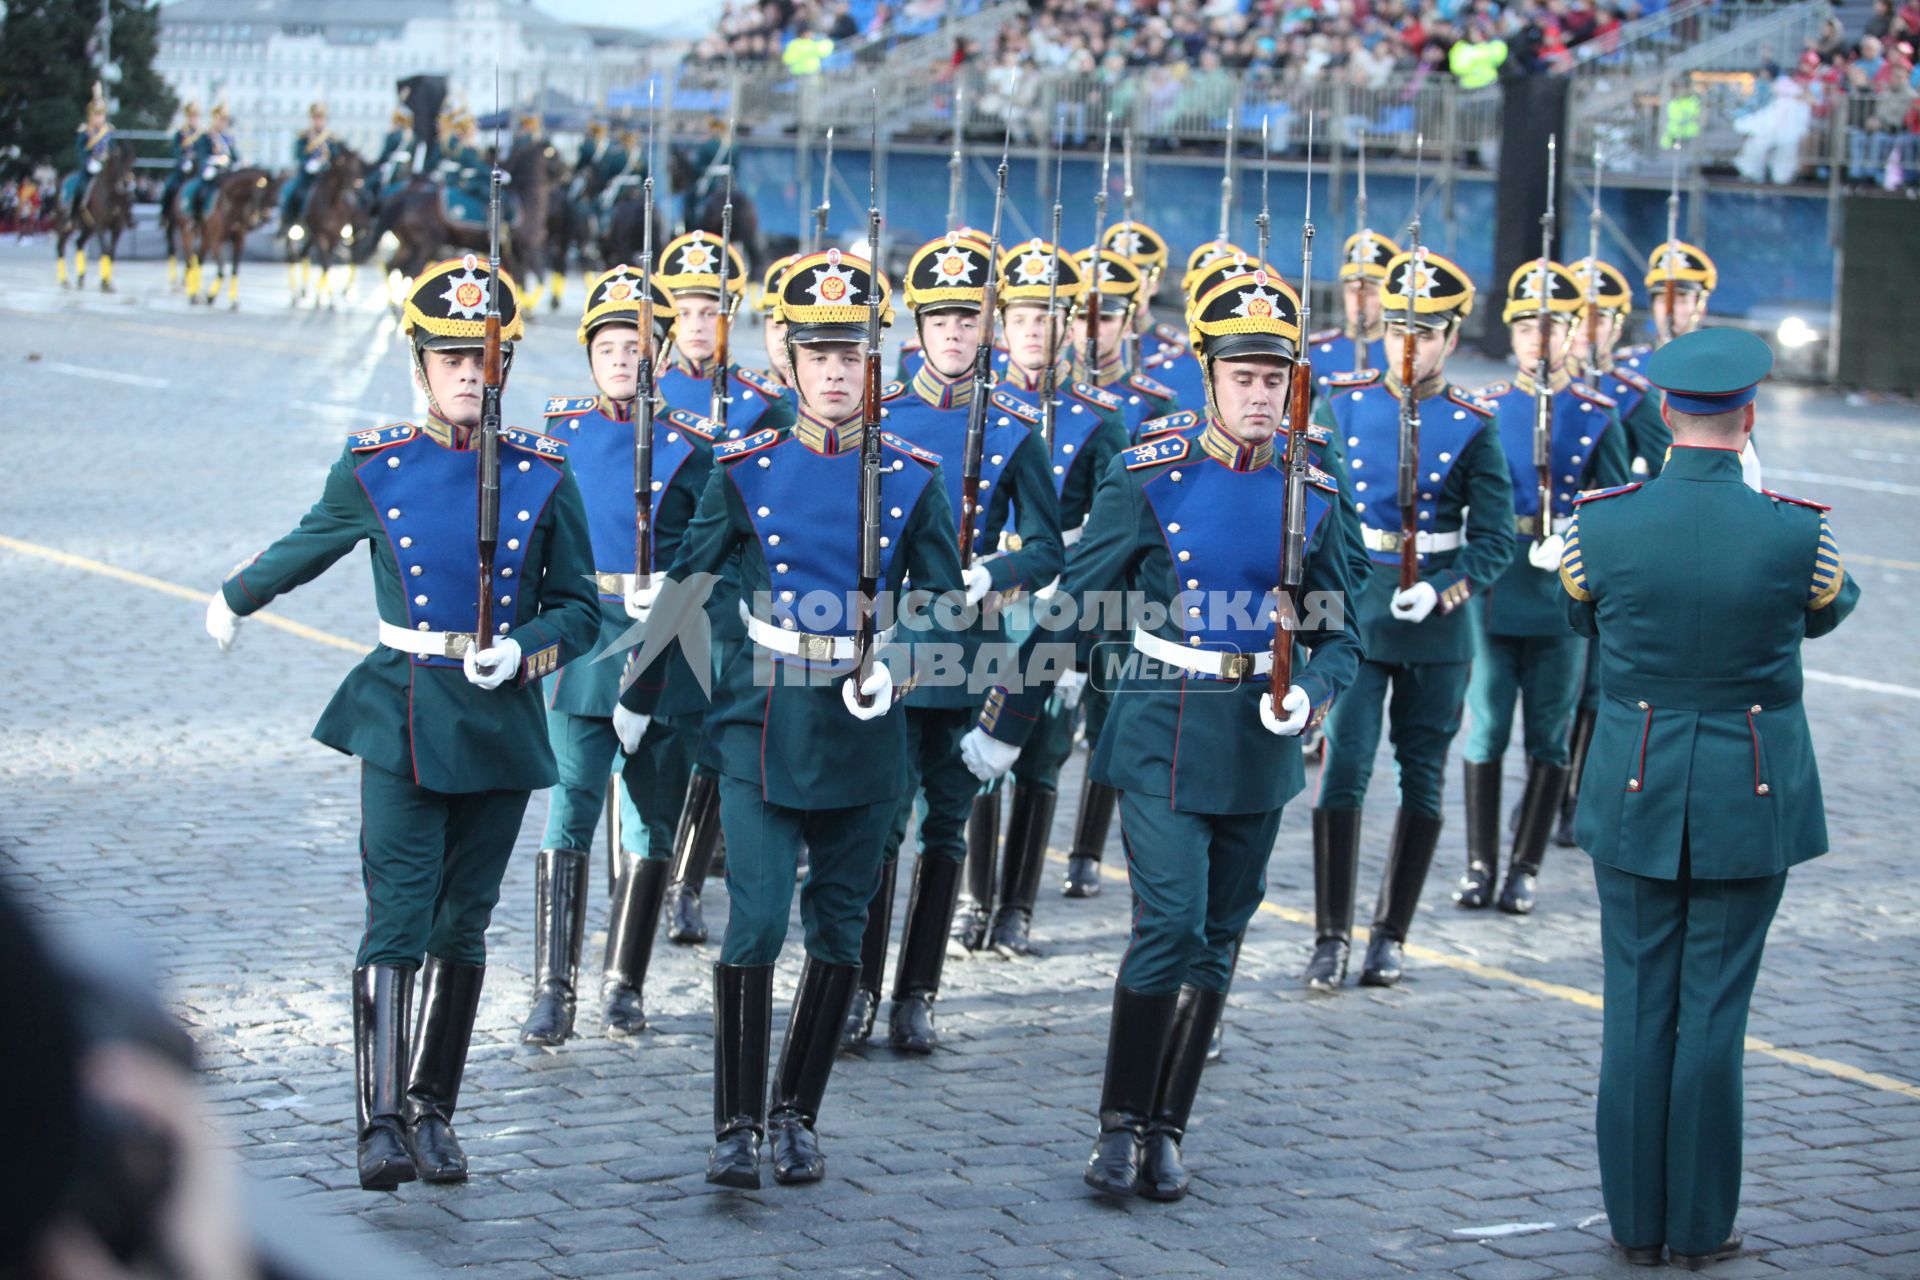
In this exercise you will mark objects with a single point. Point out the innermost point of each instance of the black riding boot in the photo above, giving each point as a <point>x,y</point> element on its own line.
<point>449,999</point>
<point>742,1034</point>
<point>1336,878</point>
<point>630,933</point>
<point>1217,1044</point>
<point>1136,1048</point>
<point>1028,827</point>
<point>1482,791</point>
<point>382,999</point>
<point>1578,741</point>
<point>806,1060</point>
<point>559,927</point>
<point>976,900</point>
<point>1090,824</point>
<point>1163,1176</point>
<point>1415,836</point>
<point>923,953</point>
<point>1546,783</point>
<point>694,840</point>
<point>873,961</point>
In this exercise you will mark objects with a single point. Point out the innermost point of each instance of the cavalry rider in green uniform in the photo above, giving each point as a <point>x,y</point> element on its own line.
<point>92,144</point>
<point>1191,525</point>
<point>181,170</point>
<point>946,288</point>
<point>599,433</point>
<point>1358,343</point>
<point>710,162</point>
<point>448,726</point>
<point>1606,302</point>
<point>402,156</point>
<point>625,167</point>
<point>1417,642</point>
<point>464,172</point>
<point>1701,787</point>
<point>755,401</point>
<point>1088,430</point>
<point>804,760</point>
<point>312,153</point>
<point>1522,646</point>
<point>213,157</point>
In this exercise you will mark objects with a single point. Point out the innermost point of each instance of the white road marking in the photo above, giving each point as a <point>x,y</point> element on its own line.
<point>1864,686</point>
<point>102,375</point>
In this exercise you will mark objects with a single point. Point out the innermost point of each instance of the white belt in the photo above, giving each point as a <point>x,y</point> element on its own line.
<point>425,644</point>
<point>1227,666</point>
<point>803,644</point>
<point>1530,525</point>
<point>1389,540</point>
<point>620,584</point>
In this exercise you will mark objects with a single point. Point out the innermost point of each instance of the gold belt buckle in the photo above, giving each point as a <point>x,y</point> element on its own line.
<point>1236,666</point>
<point>1526,524</point>
<point>457,643</point>
<point>816,648</point>
<point>1389,540</point>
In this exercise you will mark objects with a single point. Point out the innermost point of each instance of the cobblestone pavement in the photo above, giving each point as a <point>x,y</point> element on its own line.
<point>155,787</point>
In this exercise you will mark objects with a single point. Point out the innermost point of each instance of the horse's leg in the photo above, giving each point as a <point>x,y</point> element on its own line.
<point>235,244</point>
<point>80,260</point>
<point>108,243</point>
<point>60,254</point>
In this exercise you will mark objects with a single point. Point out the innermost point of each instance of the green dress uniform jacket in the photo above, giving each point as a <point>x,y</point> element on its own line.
<point>412,497</point>
<point>1702,738</point>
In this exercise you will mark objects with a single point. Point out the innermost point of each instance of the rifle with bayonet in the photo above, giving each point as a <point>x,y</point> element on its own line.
<point>723,322</point>
<point>870,462</point>
<point>825,207</point>
<point>1409,471</point>
<point>1366,248</point>
<point>1226,182</point>
<point>1673,237</point>
<point>1050,380</point>
<point>1293,537</point>
<point>1543,365</point>
<point>644,382</point>
<point>1126,221</point>
<point>956,163</point>
<point>971,458</point>
<point>1594,355</point>
<point>493,380</point>
<point>1094,272</point>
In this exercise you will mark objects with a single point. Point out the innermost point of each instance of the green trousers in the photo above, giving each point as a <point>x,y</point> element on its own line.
<point>431,863</point>
<point>1681,959</point>
<point>1048,748</point>
<point>1197,880</point>
<point>1422,702</point>
<point>586,751</point>
<point>763,854</point>
<point>1543,672</point>
<point>939,784</point>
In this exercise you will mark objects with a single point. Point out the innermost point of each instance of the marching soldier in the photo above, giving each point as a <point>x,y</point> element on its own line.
<point>1175,364</point>
<point>1522,645</point>
<point>1113,304</point>
<point>1417,642</point>
<point>755,401</point>
<point>946,289</point>
<point>1146,249</point>
<point>1701,790</point>
<point>773,330</point>
<point>1087,431</point>
<point>599,433</point>
<point>92,144</point>
<point>1686,275</point>
<point>1357,344</point>
<point>213,156</point>
<point>312,153</point>
<point>911,355</point>
<point>181,170</point>
<point>809,753</point>
<point>447,725</point>
<point>1187,522</point>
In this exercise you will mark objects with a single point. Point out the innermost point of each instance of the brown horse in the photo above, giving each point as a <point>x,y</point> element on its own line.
<point>335,213</point>
<point>419,223</point>
<point>242,200</point>
<point>106,211</point>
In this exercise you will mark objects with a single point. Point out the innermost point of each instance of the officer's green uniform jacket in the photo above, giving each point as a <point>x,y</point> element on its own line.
<point>757,400</point>
<point>1474,500</point>
<point>1141,398</point>
<point>932,414</point>
<point>1701,731</point>
<point>411,495</point>
<point>787,503</point>
<point>1588,451</point>
<point>1192,524</point>
<point>600,442</point>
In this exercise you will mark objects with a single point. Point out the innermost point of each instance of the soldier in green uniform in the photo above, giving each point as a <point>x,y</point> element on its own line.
<point>213,156</point>
<point>1701,788</point>
<point>1086,430</point>
<point>402,156</point>
<point>1417,643</point>
<point>946,288</point>
<point>1152,343</point>
<point>92,144</point>
<point>751,400</point>
<point>312,153</point>
<point>448,726</point>
<point>710,162</point>
<point>773,330</point>
<point>1689,274</point>
<point>1187,524</point>
<point>802,760</point>
<point>599,433</point>
<point>1357,344</point>
<point>1522,647</point>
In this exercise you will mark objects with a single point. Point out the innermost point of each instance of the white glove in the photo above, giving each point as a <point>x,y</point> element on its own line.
<point>1072,685</point>
<point>315,165</point>
<point>1415,602</point>
<point>1546,553</point>
<point>630,727</point>
<point>979,582</point>
<point>223,624</point>
<point>985,756</point>
<point>492,667</point>
<point>1297,706</point>
<point>93,166</point>
<point>1750,466</point>
<point>879,687</point>
<point>640,600</point>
